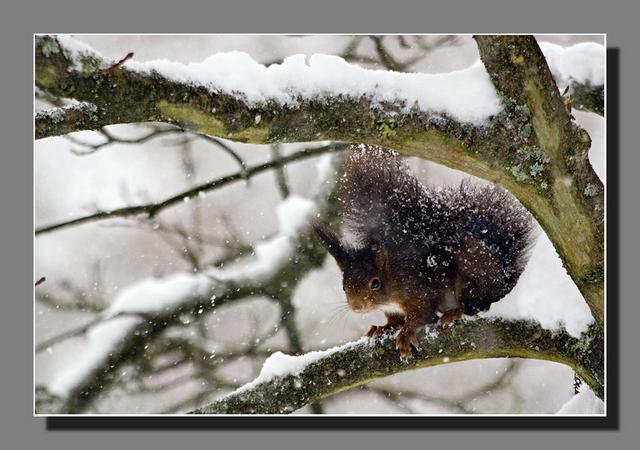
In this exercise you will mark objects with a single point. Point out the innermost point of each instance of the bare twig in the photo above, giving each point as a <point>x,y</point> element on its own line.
<point>151,209</point>
<point>111,139</point>
<point>74,332</point>
<point>112,67</point>
<point>281,175</point>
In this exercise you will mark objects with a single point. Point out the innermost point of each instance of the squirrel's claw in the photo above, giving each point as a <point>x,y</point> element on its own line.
<point>404,340</point>
<point>374,330</point>
<point>377,330</point>
<point>450,316</point>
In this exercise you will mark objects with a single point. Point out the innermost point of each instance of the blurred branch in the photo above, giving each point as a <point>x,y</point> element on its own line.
<point>459,405</point>
<point>112,139</point>
<point>244,171</point>
<point>384,56</point>
<point>367,360</point>
<point>281,175</point>
<point>585,97</point>
<point>78,331</point>
<point>151,209</point>
<point>132,341</point>
<point>529,148</point>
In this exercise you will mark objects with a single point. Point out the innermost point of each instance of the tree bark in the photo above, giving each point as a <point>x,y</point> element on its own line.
<point>532,148</point>
<point>358,363</point>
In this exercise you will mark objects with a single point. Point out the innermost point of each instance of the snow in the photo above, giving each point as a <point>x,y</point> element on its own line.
<point>585,402</point>
<point>155,295</point>
<point>58,114</point>
<point>545,293</point>
<point>293,214</point>
<point>280,365</point>
<point>466,95</point>
<point>583,62</point>
<point>101,339</point>
<point>324,166</point>
<point>76,49</point>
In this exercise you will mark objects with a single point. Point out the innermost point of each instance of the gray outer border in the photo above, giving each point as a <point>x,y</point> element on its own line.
<point>19,430</point>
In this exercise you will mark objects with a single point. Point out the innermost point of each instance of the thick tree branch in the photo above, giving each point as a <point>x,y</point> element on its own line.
<point>531,147</point>
<point>570,203</point>
<point>358,363</point>
<point>67,119</point>
<point>586,97</point>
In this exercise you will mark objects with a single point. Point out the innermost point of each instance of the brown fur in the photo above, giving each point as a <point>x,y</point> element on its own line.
<point>450,252</point>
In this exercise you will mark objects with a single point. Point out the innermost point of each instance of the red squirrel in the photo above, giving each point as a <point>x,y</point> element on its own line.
<point>420,250</point>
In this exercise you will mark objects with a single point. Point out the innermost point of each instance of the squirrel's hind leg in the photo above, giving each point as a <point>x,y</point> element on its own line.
<point>419,315</point>
<point>452,315</point>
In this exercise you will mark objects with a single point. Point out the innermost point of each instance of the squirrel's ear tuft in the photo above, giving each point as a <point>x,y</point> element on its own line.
<point>330,240</point>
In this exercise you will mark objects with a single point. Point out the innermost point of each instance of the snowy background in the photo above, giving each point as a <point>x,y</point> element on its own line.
<point>90,265</point>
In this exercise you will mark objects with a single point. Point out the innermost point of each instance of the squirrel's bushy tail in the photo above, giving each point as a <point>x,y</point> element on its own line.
<point>379,195</point>
<point>384,203</point>
<point>495,216</point>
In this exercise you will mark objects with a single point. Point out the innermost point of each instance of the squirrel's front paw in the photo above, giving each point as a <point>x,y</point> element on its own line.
<point>405,338</point>
<point>377,330</point>
<point>374,330</point>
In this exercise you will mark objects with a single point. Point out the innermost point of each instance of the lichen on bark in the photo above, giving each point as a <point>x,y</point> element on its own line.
<point>532,148</point>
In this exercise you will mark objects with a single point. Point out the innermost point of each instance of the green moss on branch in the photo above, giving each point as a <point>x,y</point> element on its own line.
<point>367,360</point>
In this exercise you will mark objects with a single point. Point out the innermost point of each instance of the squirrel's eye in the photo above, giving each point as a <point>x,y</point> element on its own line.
<point>375,283</point>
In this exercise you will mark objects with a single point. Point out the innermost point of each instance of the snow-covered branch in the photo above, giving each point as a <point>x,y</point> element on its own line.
<point>504,120</point>
<point>67,119</point>
<point>581,68</point>
<point>287,383</point>
<point>142,311</point>
<point>231,95</point>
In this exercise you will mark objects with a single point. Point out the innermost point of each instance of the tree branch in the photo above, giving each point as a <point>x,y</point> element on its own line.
<point>553,157</point>
<point>363,361</point>
<point>67,119</point>
<point>586,97</point>
<point>151,209</point>
<point>144,325</point>
<point>531,147</point>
